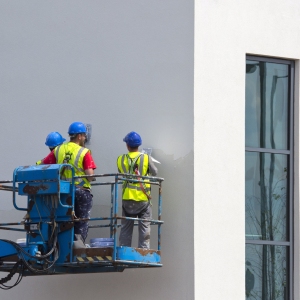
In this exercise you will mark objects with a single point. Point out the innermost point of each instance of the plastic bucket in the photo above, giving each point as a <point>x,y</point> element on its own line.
<point>21,242</point>
<point>101,242</point>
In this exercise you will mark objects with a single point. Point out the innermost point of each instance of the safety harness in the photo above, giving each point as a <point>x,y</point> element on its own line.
<point>133,169</point>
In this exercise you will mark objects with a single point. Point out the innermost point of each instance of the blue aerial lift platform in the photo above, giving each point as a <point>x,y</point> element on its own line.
<point>50,246</point>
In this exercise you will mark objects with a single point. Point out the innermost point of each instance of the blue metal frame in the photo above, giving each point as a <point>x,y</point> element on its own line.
<point>50,221</point>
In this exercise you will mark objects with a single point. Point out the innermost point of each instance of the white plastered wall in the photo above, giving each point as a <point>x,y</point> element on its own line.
<point>225,31</point>
<point>120,66</point>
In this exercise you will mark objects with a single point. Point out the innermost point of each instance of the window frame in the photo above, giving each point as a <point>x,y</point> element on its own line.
<point>290,154</point>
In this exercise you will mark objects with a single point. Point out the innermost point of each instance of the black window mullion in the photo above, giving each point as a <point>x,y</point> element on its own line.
<point>266,150</point>
<point>265,242</point>
<point>269,60</point>
<point>291,178</point>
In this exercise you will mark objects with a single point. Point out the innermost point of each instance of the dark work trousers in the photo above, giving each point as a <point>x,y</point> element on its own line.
<point>135,209</point>
<point>83,206</point>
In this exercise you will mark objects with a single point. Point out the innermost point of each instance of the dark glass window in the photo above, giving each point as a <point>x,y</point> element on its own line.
<point>266,196</point>
<point>267,92</point>
<point>268,178</point>
<point>266,272</point>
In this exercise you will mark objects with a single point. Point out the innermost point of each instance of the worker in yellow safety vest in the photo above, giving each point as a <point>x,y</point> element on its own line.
<point>53,140</point>
<point>75,154</point>
<point>136,196</point>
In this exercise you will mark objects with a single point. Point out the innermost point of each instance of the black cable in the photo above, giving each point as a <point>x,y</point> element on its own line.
<point>18,247</point>
<point>10,275</point>
<point>22,252</point>
<point>34,270</point>
<point>38,271</point>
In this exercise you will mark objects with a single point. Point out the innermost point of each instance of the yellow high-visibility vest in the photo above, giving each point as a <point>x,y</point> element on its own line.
<point>73,154</point>
<point>132,190</point>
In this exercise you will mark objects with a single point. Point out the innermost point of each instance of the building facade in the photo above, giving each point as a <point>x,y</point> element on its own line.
<point>227,35</point>
<point>213,88</point>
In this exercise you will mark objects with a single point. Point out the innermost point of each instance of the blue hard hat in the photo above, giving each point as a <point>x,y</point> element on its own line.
<point>54,139</point>
<point>76,127</point>
<point>133,139</point>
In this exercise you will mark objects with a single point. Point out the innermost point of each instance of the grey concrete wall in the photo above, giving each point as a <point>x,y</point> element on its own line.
<point>120,66</point>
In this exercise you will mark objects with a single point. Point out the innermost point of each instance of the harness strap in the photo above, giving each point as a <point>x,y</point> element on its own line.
<point>133,169</point>
<point>142,185</point>
<point>131,163</point>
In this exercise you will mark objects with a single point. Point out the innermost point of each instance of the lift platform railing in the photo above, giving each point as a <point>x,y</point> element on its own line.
<point>119,179</point>
<point>113,219</point>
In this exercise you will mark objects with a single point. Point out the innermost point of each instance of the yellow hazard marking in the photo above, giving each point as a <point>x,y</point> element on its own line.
<point>91,259</point>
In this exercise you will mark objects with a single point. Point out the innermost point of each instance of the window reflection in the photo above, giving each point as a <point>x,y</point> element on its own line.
<point>266,196</point>
<point>266,272</point>
<point>266,105</point>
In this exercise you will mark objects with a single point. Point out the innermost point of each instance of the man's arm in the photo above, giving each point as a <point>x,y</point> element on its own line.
<point>89,166</point>
<point>152,167</point>
<point>90,172</point>
<point>50,159</point>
